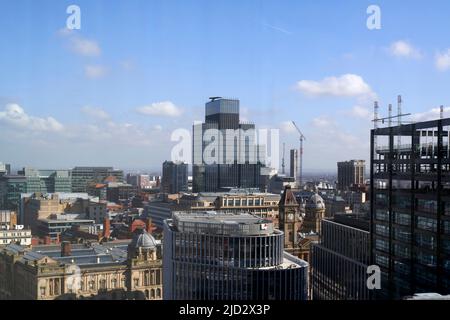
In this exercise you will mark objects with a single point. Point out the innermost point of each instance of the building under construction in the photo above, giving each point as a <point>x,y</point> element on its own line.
<point>410,207</point>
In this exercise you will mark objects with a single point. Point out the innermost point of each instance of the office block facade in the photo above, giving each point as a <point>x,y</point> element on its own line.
<point>340,260</point>
<point>351,174</point>
<point>410,207</point>
<point>223,256</point>
<point>29,181</point>
<point>83,176</point>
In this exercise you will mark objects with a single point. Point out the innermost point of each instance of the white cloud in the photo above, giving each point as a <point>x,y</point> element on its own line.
<point>15,116</point>
<point>85,47</point>
<point>404,49</point>
<point>347,85</point>
<point>442,60</point>
<point>321,122</point>
<point>94,112</point>
<point>360,112</point>
<point>95,71</point>
<point>165,109</point>
<point>80,45</point>
<point>431,114</point>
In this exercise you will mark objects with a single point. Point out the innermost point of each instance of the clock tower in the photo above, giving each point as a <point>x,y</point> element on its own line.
<point>290,220</point>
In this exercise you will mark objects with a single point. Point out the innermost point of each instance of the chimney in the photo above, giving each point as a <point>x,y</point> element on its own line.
<point>66,249</point>
<point>106,228</point>
<point>148,225</point>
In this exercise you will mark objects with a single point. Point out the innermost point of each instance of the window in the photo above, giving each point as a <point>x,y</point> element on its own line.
<point>136,282</point>
<point>42,291</point>
<point>158,293</point>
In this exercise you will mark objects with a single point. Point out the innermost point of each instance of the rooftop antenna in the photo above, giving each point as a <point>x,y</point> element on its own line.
<point>282,160</point>
<point>399,114</point>
<point>390,115</point>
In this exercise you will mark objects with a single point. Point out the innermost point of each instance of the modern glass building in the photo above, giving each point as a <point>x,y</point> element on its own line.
<point>410,207</point>
<point>83,176</point>
<point>224,256</point>
<point>340,260</point>
<point>29,181</point>
<point>230,158</point>
<point>174,177</point>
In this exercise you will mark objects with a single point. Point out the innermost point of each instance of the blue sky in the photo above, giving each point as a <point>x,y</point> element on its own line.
<point>113,92</point>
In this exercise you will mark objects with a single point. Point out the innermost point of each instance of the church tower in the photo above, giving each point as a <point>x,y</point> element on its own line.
<point>290,220</point>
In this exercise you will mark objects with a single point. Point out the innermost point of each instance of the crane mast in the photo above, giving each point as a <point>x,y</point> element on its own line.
<point>301,138</point>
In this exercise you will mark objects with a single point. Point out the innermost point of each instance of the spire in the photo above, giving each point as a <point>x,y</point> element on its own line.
<point>288,197</point>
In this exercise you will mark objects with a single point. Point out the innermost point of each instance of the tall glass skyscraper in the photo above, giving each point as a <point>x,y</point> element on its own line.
<point>225,153</point>
<point>225,256</point>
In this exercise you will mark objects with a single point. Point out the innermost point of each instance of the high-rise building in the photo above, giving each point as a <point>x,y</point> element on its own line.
<point>174,177</point>
<point>351,174</point>
<point>82,177</point>
<point>225,153</point>
<point>410,207</point>
<point>294,164</point>
<point>223,256</point>
<point>339,261</point>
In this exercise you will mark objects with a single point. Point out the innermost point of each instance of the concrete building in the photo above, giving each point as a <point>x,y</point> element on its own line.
<point>277,183</point>
<point>35,206</point>
<point>224,256</point>
<point>237,160</point>
<point>174,177</point>
<point>351,174</point>
<point>113,270</point>
<point>410,207</point>
<point>339,261</point>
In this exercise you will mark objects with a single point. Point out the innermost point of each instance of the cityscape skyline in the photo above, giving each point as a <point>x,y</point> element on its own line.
<point>136,90</point>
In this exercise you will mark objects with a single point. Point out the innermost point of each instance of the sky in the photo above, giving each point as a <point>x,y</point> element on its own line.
<point>112,92</point>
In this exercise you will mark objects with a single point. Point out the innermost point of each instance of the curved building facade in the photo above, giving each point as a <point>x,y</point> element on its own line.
<point>224,256</point>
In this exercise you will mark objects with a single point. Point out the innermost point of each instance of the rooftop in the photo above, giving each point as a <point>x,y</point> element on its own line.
<point>223,223</point>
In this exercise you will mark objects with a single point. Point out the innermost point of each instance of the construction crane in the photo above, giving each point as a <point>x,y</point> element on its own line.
<point>300,169</point>
<point>282,160</point>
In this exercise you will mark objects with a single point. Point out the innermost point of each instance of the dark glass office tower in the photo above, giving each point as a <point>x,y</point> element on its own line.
<point>174,177</point>
<point>410,207</point>
<point>237,161</point>
<point>226,256</point>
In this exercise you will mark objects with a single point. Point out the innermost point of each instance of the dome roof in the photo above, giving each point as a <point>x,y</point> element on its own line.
<point>315,202</point>
<point>143,239</point>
